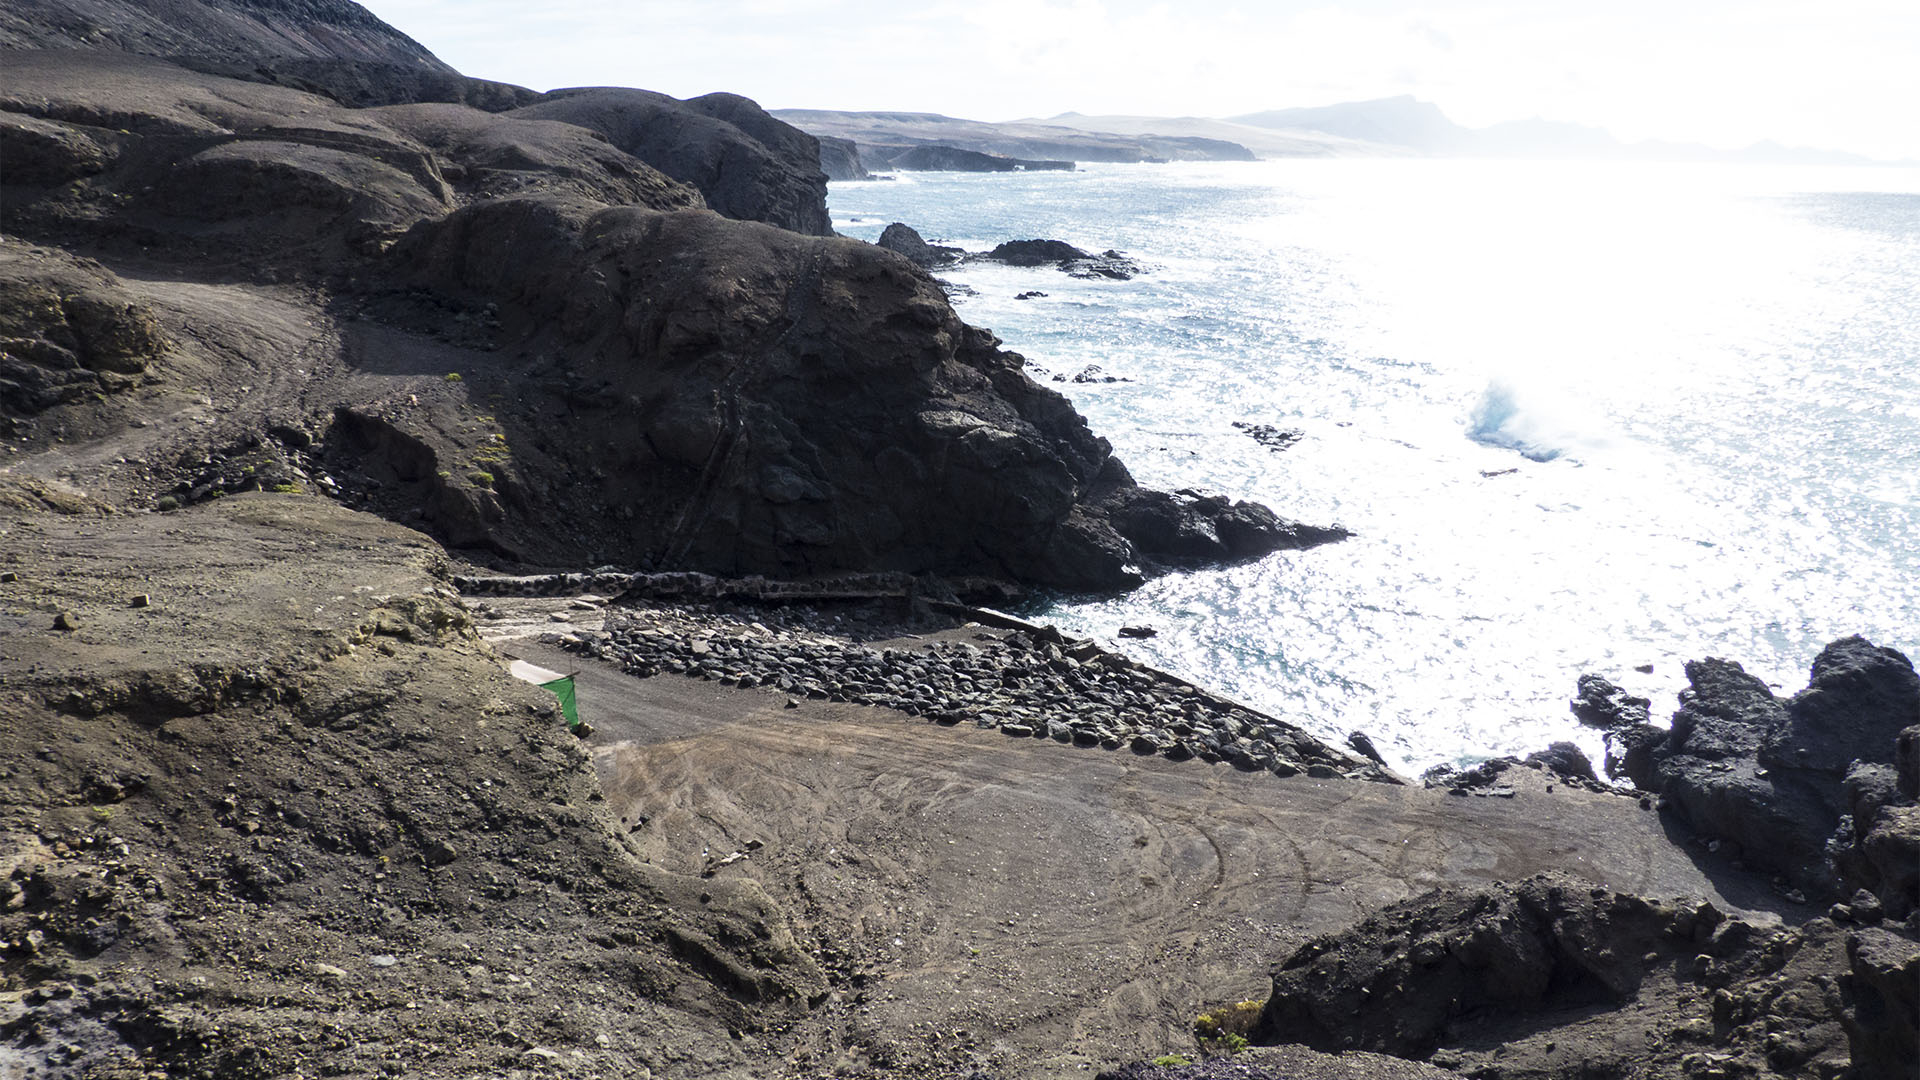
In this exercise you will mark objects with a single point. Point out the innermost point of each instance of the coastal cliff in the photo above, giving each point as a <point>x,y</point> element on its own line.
<point>595,325</point>
<point>291,325</point>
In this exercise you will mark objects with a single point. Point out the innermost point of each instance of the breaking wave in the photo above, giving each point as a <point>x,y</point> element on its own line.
<point>1539,428</point>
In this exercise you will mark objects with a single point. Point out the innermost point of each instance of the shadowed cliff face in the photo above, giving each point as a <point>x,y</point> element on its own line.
<point>747,164</point>
<point>763,402</point>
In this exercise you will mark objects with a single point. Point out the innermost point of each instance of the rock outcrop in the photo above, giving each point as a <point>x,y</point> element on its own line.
<point>1599,703</point>
<point>1778,778</point>
<point>761,402</point>
<point>68,332</point>
<point>902,239</point>
<point>1060,254</point>
<point>747,164</point>
<point>1556,977</point>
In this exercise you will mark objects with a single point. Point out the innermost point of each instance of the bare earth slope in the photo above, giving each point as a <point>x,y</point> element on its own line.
<point>235,29</point>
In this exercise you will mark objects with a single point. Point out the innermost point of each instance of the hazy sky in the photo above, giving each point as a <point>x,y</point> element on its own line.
<point>1835,74</point>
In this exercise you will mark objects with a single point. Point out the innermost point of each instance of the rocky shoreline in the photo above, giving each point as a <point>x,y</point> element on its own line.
<point>288,326</point>
<point>1023,683</point>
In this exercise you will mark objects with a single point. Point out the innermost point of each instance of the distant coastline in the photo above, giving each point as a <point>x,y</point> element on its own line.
<point>854,143</point>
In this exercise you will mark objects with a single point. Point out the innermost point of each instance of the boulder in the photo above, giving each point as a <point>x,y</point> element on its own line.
<point>902,239</point>
<point>1599,703</point>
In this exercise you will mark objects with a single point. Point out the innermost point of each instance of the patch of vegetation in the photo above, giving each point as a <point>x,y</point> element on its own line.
<point>453,376</point>
<point>1225,1029</point>
<point>287,489</point>
<point>1169,1061</point>
<point>166,502</point>
<point>481,479</point>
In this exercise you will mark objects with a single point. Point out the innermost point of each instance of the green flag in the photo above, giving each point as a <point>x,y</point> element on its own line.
<point>563,689</point>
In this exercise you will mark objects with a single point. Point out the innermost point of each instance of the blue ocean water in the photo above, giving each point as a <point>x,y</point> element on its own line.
<point>1581,417</point>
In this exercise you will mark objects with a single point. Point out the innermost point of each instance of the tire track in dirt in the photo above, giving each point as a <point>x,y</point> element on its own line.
<point>1059,905</point>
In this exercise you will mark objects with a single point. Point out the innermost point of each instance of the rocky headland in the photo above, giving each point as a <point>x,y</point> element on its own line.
<point>314,350</point>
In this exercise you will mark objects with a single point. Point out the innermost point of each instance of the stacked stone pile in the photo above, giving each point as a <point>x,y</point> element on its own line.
<point>1021,683</point>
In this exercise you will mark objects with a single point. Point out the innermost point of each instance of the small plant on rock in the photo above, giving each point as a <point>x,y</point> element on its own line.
<point>1225,1029</point>
<point>1170,1061</point>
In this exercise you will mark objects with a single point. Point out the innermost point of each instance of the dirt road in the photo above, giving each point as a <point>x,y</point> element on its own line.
<point>1034,909</point>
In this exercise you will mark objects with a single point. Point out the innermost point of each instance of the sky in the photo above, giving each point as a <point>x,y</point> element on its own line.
<point>1826,74</point>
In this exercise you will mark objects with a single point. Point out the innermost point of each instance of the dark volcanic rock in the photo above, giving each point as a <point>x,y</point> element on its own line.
<point>1190,528</point>
<point>1883,983</point>
<point>68,332</point>
<point>1565,759</point>
<point>241,30</point>
<point>1601,704</point>
<point>1059,253</point>
<point>902,239</point>
<point>487,156</point>
<point>745,163</point>
<point>1859,698</point>
<point>1036,252</point>
<point>1740,765</point>
<point>1554,977</point>
<point>1273,438</point>
<point>762,402</point>
<point>840,159</point>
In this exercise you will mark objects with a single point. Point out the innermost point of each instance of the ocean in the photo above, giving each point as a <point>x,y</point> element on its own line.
<point>1580,417</point>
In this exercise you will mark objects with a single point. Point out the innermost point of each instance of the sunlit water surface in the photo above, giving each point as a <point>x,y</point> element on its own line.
<point>1707,377</point>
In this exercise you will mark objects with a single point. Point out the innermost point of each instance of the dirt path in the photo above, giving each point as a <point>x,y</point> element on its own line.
<point>1036,909</point>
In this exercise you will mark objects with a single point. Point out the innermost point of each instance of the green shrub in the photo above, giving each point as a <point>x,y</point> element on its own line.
<point>1225,1029</point>
<point>287,489</point>
<point>1168,1061</point>
<point>453,376</point>
<point>481,479</point>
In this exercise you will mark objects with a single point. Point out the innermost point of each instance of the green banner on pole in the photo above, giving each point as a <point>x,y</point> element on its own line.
<point>563,689</point>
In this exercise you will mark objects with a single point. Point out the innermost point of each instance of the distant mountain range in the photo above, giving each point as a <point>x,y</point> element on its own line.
<point>1396,127</point>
